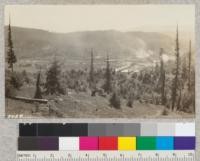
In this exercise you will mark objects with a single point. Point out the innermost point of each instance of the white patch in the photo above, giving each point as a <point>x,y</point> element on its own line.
<point>141,53</point>
<point>185,129</point>
<point>69,143</point>
<point>165,58</point>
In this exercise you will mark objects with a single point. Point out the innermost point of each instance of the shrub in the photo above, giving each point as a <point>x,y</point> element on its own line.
<point>130,100</point>
<point>10,91</point>
<point>13,82</point>
<point>25,77</point>
<point>115,101</point>
<point>165,112</point>
<point>130,103</point>
<point>16,80</point>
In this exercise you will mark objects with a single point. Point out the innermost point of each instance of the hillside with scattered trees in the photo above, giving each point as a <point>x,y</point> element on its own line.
<point>103,74</point>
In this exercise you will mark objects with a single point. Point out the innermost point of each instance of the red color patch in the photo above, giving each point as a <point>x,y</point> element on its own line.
<point>108,143</point>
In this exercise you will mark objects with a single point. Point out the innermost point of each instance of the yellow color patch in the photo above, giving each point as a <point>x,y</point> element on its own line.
<point>126,143</point>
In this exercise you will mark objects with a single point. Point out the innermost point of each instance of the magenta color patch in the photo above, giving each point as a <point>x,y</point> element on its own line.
<point>88,143</point>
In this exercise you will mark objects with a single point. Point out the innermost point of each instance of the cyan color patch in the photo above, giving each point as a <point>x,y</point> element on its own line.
<point>164,143</point>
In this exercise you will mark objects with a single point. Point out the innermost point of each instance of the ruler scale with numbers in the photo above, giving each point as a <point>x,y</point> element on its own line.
<point>105,156</point>
<point>106,142</point>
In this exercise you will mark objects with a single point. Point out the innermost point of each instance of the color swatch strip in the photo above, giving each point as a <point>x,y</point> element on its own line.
<point>105,143</point>
<point>108,129</point>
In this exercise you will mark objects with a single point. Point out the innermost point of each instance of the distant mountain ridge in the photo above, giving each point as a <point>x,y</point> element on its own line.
<point>35,43</point>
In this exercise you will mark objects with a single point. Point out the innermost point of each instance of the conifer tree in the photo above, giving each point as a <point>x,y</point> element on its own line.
<point>38,93</point>
<point>11,58</point>
<point>92,69</point>
<point>184,73</point>
<point>176,77</point>
<point>189,67</point>
<point>162,77</point>
<point>52,84</point>
<point>107,86</point>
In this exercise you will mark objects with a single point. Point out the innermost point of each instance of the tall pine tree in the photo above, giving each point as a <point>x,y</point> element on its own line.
<point>176,77</point>
<point>11,58</point>
<point>92,69</point>
<point>184,71</point>
<point>107,86</point>
<point>38,93</point>
<point>162,77</point>
<point>189,66</point>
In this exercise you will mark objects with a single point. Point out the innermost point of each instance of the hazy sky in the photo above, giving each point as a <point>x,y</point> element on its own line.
<point>70,18</point>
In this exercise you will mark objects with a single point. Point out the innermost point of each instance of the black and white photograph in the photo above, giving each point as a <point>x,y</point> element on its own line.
<point>99,61</point>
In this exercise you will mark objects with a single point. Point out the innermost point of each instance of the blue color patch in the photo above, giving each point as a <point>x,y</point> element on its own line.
<point>164,143</point>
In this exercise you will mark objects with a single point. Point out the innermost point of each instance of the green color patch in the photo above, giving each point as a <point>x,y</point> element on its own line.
<point>146,143</point>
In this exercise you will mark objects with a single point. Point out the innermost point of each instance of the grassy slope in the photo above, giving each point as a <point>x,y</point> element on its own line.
<point>82,105</point>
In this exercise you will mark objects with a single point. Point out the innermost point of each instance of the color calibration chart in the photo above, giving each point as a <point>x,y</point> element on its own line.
<point>106,141</point>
